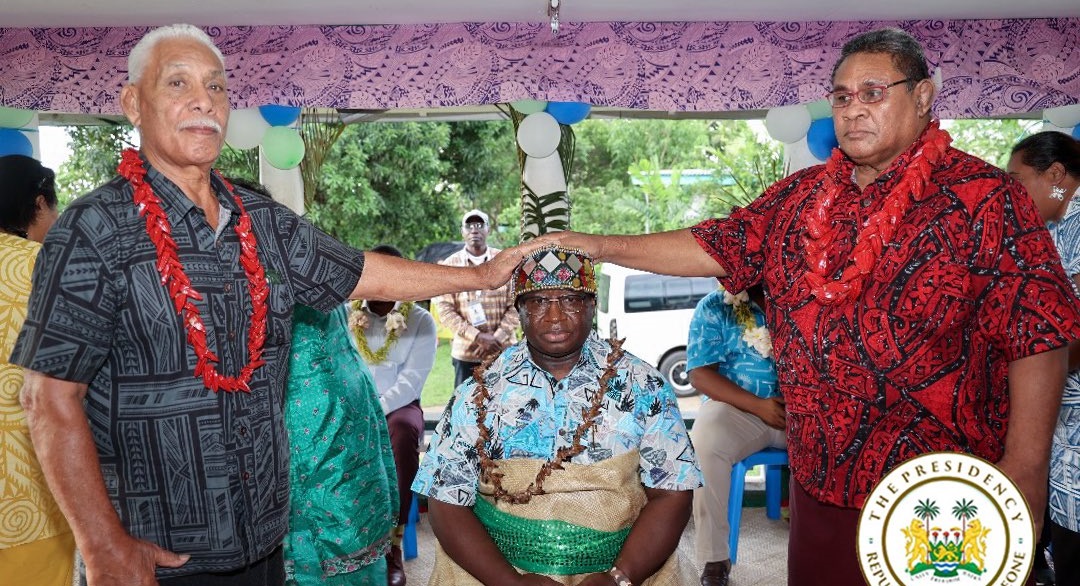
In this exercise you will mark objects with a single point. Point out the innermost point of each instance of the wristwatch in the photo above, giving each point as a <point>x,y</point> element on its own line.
<point>619,576</point>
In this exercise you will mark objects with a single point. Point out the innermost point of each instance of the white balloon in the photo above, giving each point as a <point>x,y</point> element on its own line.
<point>246,128</point>
<point>788,124</point>
<point>1063,116</point>
<point>539,134</point>
<point>544,175</point>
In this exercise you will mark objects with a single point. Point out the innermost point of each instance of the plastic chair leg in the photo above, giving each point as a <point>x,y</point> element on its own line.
<point>735,502</point>
<point>408,541</point>
<point>772,491</point>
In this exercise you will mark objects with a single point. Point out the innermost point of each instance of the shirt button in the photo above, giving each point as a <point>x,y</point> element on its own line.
<point>246,476</point>
<point>218,243</point>
<point>242,430</point>
<point>232,335</point>
<point>228,287</point>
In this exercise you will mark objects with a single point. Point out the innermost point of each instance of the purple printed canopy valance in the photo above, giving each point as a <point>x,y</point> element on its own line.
<point>988,67</point>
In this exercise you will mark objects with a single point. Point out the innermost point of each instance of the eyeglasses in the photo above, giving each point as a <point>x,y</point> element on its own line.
<point>475,226</point>
<point>567,303</point>
<point>870,94</point>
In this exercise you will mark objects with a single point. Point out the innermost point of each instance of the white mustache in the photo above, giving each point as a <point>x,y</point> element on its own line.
<point>200,123</point>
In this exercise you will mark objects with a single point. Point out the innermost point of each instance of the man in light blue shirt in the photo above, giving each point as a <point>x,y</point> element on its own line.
<point>567,459</point>
<point>729,357</point>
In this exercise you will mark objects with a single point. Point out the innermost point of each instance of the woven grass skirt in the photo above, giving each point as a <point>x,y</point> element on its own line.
<point>575,529</point>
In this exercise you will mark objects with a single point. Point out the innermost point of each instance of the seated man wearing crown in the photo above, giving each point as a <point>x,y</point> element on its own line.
<point>564,460</point>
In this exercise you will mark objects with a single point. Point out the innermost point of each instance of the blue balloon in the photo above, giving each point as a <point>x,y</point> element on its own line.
<point>1076,132</point>
<point>568,112</point>
<point>821,138</point>
<point>279,115</point>
<point>13,142</point>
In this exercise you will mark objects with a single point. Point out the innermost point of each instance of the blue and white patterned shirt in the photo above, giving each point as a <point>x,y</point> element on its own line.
<point>716,338</point>
<point>532,416</point>
<point>1066,235</point>
<point>1064,496</point>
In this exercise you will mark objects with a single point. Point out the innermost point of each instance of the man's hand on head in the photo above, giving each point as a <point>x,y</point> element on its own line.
<point>496,272</point>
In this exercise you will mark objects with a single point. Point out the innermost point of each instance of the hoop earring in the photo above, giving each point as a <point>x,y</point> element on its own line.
<point>1057,193</point>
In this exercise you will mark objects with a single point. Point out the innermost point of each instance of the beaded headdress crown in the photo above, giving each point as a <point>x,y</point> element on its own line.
<point>554,267</point>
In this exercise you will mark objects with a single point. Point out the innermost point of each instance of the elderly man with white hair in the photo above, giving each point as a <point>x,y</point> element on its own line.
<point>157,341</point>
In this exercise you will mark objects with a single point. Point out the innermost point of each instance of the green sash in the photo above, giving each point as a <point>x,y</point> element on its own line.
<point>550,547</point>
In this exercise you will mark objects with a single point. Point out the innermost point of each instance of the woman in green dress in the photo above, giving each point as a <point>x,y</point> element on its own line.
<point>344,488</point>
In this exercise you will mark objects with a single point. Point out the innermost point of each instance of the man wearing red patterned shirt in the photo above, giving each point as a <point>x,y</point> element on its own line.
<point>916,303</point>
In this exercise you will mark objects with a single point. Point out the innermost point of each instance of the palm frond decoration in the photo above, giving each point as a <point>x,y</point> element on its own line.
<point>549,212</point>
<point>320,128</point>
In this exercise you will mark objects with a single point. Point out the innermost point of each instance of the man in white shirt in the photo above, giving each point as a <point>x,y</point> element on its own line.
<point>398,345</point>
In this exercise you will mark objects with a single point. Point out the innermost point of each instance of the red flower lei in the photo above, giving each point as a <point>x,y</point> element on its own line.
<point>879,228</point>
<point>176,280</point>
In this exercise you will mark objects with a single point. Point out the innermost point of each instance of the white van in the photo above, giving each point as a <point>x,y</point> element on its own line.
<point>653,313</point>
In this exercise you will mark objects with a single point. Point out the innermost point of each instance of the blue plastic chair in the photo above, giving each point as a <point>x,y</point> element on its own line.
<point>773,459</point>
<point>408,541</point>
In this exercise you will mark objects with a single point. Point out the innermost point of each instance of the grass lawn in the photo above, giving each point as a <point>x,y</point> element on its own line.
<point>440,383</point>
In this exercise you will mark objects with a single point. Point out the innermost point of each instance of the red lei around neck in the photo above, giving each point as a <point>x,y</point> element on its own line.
<point>879,229</point>
<point>176,280</point>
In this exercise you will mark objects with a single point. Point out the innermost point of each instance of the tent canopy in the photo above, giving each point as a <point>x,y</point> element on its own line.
<point>84,13</point>
<point>692,57</point>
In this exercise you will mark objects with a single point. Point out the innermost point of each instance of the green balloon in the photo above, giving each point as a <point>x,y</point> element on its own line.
<point>527,107</point>
<point>819,109</point>
<point>14,117</point>
<point>283,147</point>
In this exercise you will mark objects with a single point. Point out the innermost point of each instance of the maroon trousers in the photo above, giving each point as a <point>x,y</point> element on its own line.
<point>406,428</point>
<point>821,545</point>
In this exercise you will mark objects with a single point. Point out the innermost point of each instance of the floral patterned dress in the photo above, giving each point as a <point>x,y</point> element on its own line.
<point>344,487</point>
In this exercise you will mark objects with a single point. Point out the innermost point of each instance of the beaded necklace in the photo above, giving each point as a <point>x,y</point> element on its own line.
<point>489,470</point>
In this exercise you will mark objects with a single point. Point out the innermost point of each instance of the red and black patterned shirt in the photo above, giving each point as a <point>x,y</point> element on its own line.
<point>917,361</point>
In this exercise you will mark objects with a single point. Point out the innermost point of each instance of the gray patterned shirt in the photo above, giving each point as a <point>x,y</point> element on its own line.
<point>192,470</point>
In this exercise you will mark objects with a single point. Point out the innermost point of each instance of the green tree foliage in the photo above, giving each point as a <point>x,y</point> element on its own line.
<point>990,140</point>
<point>744,164</point>
<point>640,166</point>
<point>239,164</point>
<point>482,172</point>
<point>607,148</point>
<point>385,183</point>
<point>95,153</point>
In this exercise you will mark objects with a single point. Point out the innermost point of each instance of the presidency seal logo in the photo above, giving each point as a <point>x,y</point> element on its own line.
<point>945,518</point>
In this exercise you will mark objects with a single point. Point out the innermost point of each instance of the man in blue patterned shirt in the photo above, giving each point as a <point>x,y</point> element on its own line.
<point>729,356</point>
<point>567,462</point>
<point>155,296</point>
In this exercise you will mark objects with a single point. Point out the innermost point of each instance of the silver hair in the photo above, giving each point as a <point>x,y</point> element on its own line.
<point>140,54</point>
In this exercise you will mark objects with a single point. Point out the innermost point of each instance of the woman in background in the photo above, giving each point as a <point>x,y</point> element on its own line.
<point>1047,164</point>
<point>36,545</point>
<point>344,488</point>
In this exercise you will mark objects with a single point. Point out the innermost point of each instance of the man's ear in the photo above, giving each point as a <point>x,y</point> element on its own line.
<point>129,103</point>
<point>924,96</point>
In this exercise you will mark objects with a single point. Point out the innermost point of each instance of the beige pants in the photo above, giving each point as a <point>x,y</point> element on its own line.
<point>722,436</point>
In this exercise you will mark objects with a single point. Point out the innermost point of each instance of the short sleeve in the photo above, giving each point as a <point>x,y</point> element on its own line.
<point>73,304</point>
<point>450,471</point>
<point>737,242</point>
<point>1026,303</point>
<point>323,270</point>
<point>708,337</point>
<point>668,460</point>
